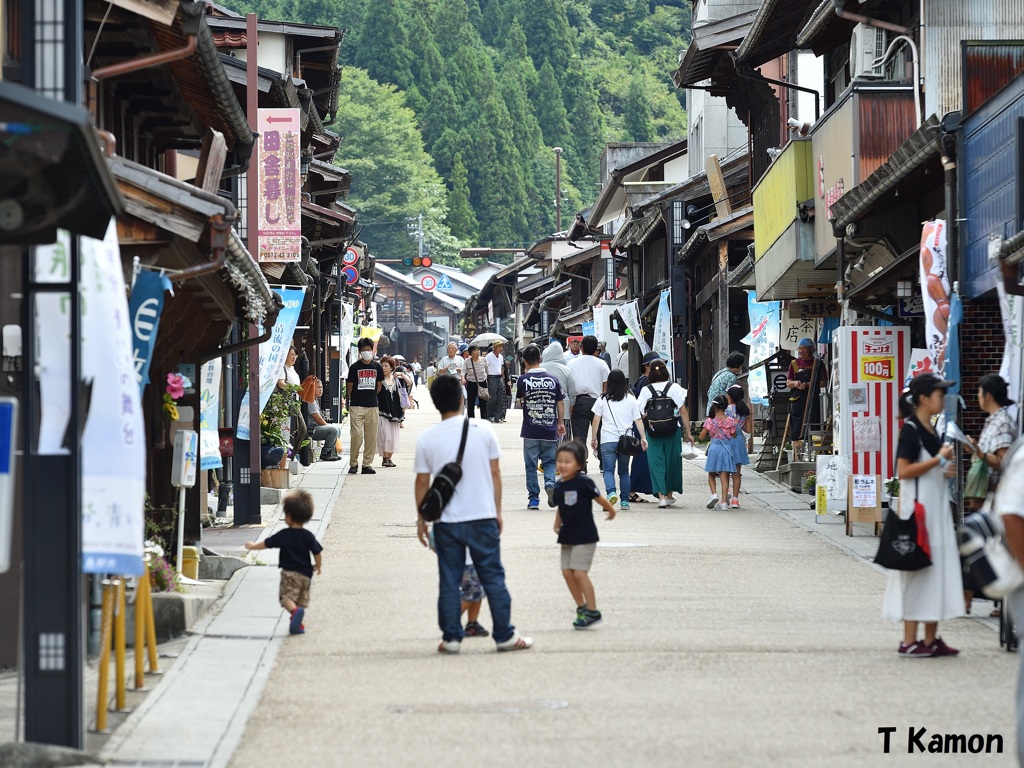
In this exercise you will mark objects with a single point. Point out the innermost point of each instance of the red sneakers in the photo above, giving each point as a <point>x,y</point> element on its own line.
<point>917,650</point>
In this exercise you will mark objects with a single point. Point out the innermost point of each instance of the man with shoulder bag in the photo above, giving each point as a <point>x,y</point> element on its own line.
<point>470,519</point>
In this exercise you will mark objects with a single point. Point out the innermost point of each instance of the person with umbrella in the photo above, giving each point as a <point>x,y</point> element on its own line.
<point>495,362</point>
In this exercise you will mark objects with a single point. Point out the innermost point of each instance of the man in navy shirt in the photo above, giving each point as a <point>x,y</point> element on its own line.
<point>543,406</point>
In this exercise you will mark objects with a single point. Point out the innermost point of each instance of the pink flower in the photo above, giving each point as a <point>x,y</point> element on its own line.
<point>175,385</point>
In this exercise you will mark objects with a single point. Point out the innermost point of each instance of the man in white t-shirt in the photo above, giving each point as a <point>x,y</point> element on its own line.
<point>590,374</point>
<point>471,521</point>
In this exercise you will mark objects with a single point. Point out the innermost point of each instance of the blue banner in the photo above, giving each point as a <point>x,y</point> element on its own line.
<point>272,354</point>
<point>763,340</point>
<point>144,308</point>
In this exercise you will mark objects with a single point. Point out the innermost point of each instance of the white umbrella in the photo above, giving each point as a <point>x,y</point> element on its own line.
<point>398,357</point>
<point>485,339</point>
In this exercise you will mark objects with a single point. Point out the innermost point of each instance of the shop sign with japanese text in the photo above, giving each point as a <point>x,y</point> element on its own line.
<point>280,187</point>
<point>813,308</point>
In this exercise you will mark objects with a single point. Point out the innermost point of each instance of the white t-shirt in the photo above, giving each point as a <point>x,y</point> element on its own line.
<point>474,495</point>
<point>494,364</point>
<point>1009,498</point>
<point>677,393</point>
<point>617,416</point>
<point>590,373</point>
<point>451,365</point>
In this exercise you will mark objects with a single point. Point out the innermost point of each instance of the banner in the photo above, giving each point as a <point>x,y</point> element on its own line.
<point>662,340</point>
<point>144,308</point>
<point>273,351</point>
<point>209,415</point>
<point>630,314</point>
<point>114,439</point>
<point>935,289</point>
<point>763,341</point>
<point>277,164</point>
<point>52,264</point>
<point>345,340</point>
<point>1012,310</point>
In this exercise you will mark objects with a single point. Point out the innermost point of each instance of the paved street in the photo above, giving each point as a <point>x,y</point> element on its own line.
<point>730,638</point>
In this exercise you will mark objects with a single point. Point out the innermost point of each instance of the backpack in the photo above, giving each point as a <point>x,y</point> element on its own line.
<point>661,418</point>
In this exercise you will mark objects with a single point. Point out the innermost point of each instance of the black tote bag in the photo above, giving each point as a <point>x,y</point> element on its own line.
<point>904,543</point>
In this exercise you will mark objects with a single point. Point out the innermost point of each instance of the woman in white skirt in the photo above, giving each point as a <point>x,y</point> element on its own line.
<point>923,461</point>
<point>389,406</point>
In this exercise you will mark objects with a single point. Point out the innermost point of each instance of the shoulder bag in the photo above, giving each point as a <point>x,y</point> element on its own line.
<point>482,393</point>
<point>977,482</point>
<point>629,444</point>
<point>443,487</point>
<point>904,543</point>
<point>986,557</point>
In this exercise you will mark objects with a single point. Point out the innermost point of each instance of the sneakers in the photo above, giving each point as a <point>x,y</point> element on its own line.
<point>613,498</point>
<point>551,495</point>
<point>516,643</point>
<point>713,501</point>
<point>624,506</point>
<point>916,650</point>
<point>368,471</point>
<point>449,646</point>
<point>721,506</point>
<point>586,618</point>
<point>475,629</point>
<point>662,503</point>
<point>940,648</point>
<point>295,625</point>
<point>533,504</point>
<point>354,469</point>
<point>671,500</point>
<point>735,503</point>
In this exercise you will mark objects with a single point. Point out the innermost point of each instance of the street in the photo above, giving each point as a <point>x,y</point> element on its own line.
<point>729,638</point>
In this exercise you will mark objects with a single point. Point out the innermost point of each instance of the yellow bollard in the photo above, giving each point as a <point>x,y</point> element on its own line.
<point>154,667</point>
<point>119,648</point>
<point>106,620</point>
<point>140,630</point>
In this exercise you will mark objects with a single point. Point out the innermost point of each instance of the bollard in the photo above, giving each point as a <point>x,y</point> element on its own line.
<point>140,630</point>
<point>107,618</point>
<point>119,648</point>
<point>147,591</point>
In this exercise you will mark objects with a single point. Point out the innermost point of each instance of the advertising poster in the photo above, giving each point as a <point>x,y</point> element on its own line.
<point>272,354</point>
<point>280,187</point>
<point>763,341</point>
<point>209,415</point>
<point>935,289</point>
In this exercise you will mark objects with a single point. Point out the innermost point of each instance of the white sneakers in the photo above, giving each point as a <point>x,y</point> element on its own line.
<point>713,501</point>
<point>516,643</point>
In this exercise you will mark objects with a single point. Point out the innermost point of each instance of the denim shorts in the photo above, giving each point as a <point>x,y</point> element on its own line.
<point>471,590</point>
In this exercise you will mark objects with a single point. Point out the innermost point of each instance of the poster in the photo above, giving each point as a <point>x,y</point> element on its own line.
<point>867,434</point>
<point>920,362</point>
<point>935,289</point>
<point>763,341</point>
<point>113,446</point>
<point>662,340</point>
<point>865,493</point>
<point>209,415</point>
<point>272,354</point>
<point>279,227</point>
<point>830,475</point>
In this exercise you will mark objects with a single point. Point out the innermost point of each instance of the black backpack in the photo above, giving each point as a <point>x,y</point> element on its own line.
<point>662,418</point>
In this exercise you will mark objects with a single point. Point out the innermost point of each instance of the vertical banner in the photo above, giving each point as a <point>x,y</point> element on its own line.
<point>53,344</point>
<point>630,314</point>
<point>280,207</point>
<point>272,354</point>
<point>209,415</point>
<point>935,289</point>
<point>345,340</point>
<point>114,439</point>
<point>8,440</point>
<point>144,308</point>
<point>763,341</point>
<point>1011,308</point>
<point>662,340</point>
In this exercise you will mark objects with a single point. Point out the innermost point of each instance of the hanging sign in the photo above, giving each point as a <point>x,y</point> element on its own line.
<point>279,227</point>
<point>144,308</point>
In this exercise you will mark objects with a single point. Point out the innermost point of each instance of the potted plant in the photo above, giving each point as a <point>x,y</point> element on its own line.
<point>892,489</point>
<point>787,451</point>
<point>810,483</point>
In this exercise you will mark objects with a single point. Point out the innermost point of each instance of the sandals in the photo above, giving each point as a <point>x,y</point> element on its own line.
<point>388,463</point>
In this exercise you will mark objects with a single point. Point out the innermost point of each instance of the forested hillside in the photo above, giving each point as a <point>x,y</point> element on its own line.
<point>452,108</point>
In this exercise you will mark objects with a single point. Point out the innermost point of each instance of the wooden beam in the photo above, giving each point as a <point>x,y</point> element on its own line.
<point>211,161</point>
<point>719,192</point>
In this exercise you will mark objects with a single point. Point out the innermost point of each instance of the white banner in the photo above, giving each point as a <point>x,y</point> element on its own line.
<point>209,415</point>
<point>935,289</point>
<point>114,438</point>
<point>630,314</point>
<point>1012,310</point>
<point>53,344</point>
<point>662,340</point>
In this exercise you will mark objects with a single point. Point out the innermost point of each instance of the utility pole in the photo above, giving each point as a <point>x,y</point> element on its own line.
<point>419,235</point>
<point>558,188</point>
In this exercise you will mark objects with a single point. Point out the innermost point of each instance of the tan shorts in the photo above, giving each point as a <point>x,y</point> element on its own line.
<point>578,557</point>
<point>294,587</point>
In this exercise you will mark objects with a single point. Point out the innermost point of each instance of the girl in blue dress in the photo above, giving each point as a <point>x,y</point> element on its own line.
<point>739,412</point>
<point>720,461</point>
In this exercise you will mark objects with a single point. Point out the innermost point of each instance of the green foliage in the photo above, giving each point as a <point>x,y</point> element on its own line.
<point>638,112</point>
<point>281,406</point>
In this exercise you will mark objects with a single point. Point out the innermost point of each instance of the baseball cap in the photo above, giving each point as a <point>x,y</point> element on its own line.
<point>926,383</point>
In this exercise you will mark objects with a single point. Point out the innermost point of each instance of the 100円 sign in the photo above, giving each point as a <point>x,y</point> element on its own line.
<point>280,188</point>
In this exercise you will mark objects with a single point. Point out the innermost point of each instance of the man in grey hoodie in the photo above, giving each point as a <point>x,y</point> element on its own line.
<point>553,361</point>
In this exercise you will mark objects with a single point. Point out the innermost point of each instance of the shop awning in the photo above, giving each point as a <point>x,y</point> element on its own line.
<point>882,283</point>
<point>639,228</point>
<point>773,30</point>
<point>824,30</point>
<point>711,42</point>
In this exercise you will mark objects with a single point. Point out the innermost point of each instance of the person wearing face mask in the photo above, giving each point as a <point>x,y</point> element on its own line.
<point>365,378</point>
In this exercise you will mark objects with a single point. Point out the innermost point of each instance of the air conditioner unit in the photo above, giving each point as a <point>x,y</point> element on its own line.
<point>867,44</point>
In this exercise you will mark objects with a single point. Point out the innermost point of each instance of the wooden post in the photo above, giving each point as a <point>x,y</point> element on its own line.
<point>141,617</point>
<point>716,182</point>
<point>119,648</point>
<point>102,690</point>
<point>722,319</point>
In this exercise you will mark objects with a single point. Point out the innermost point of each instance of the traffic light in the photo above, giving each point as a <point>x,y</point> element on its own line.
<point>417,261</point>
<point>407,261</point>
<point>426,261</point>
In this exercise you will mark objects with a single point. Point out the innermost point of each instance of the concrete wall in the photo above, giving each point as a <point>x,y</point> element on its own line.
<point>714,129</point>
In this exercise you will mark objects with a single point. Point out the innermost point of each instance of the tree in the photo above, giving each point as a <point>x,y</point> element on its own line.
<point>383,49</point>
<point>638,112</point>
<point>584,153</point>
<point>550,109</point>
<point>461,218</point>
<point>548,33</point>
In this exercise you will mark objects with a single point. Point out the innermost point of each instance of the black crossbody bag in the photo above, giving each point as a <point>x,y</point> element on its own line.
<point>443,487</point>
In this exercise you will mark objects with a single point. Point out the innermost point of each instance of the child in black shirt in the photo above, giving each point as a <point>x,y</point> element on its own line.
<point>577,533</point>
<point>296,545</point>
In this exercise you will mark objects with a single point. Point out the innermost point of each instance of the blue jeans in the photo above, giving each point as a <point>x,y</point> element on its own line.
<point>544,452</point>
<point>483,541</point>
<point>609,455</point>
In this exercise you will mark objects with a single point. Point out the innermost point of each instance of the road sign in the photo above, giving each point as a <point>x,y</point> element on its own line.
<point>8,423</point>
<point>351,256</point>
<point>445,283</point>
<point>351,274</point>
<point>428,282</point>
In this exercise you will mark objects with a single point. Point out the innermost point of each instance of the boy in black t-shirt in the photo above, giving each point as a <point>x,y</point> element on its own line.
<point>577,533</point>
<point>296,545</point>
